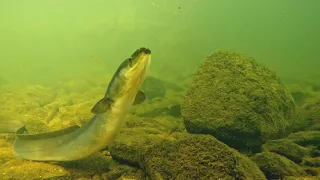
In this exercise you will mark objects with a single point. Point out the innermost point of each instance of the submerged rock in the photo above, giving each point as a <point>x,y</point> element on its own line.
<point>123,172</point>
<point>20,169</point>
<point>312,162</point>
<point>308,117</point>
<point>154,87</point>
<point>306,138</point>
<point>301,147</point>
<point>313,171</point>
<point>287,148</point>
<point>169,106</point>
<point>237,100</point>
<point>275,166</point>
<point>197,157</point>
<point>130,144</point>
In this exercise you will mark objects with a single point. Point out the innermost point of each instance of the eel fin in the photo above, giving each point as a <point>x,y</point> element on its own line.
<point>22,133</point>
<point>102,106</point>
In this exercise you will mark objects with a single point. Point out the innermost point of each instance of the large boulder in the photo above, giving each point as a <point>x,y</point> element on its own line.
<point>237,100</point>
<point>197,157</point>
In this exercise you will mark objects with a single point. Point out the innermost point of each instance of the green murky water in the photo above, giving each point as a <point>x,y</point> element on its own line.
<point>84,38</point>
<point>57,57</point>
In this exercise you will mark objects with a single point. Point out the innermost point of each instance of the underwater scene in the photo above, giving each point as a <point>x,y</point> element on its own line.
<point>159,90</point>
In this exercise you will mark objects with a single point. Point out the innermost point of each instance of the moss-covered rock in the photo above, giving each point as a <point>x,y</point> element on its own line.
<point>305,138</point>
<point>130,144</point>
<point>87,167</point>
<point>312,162</point>
<point>300,90</point>
<point>237,100</point>
<point>20,169</point>
<point>287,148</point>
<point>123,172</point>
<point>275,166</point>
<point>154,87</point>
<point>169,106</point>
<point>308,117</point>
<point>156,125</point>
<point>313,171</point>
<point>197,157</point>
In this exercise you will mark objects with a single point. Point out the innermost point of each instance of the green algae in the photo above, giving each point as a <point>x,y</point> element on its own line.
<point>275,166</point>
<point>130,144</point>
<point>311,161</point>
<point>305,138</point>
<point>237,100</point>
<point>287,148</point>
<point>197,157</point>
<point>20,169</point>
<point>308,117</point>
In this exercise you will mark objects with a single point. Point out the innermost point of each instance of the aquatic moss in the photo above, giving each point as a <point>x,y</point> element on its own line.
<point>21,169</point>
<point>35,126</point>
<point>130,144</point>
<point>275,166</point>
<point>313,162</point>
<point>313,171</point>
<point>160,106</point>
<point>155,125</point>
<point>96,163</point>
<point>4,143</point>
<point>237,100</point>
<point>6,154</point>
<point>287,148</point>
<point>308,117</point>
<point>305,138</point>
<point>122,171</point>
<point>197,157</point>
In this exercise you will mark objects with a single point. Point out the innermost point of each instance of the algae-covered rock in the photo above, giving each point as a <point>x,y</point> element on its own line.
<point>130,144</point>
<point>313,171</point>
<point>20,169</point>
<point>156,125</point>
<point>197,157</point>
<point>169,106</point>
<point>301,91</point>
<point>237,100</point>
<point>123,172</point>
<point>287,148</point>
<point>305,138</point>
<point>275,166</point>
<point>311,161</point>
<point>87,167</point>
<point>153,87</point>
<point>308,117</point>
